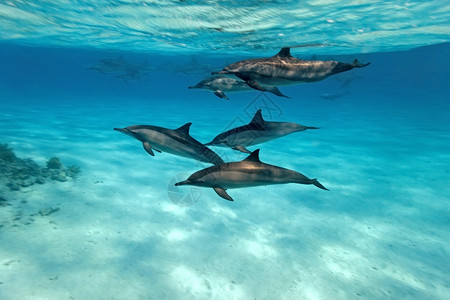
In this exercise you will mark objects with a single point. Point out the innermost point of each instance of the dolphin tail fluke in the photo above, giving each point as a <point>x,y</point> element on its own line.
<point>357,64</point>
<point>274,90</point>
<point>318,184</point>
<point>222,193</point>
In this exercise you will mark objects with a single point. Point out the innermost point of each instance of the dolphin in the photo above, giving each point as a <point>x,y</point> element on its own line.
<point>333,96</point>
<point>246,173</point>
<point>177,141</point>
<point>222,83</point>
<point>256,132</point>
<point>113,61</point>
<point>284,69</point>
<point>120,66</point>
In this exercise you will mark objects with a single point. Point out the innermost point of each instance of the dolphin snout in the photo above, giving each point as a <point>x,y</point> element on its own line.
<point>185,182</point>
<point>220,72</point>
<point>125,131</point>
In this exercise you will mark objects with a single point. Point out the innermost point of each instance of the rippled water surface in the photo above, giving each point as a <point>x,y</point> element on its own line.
<point>227,26</point>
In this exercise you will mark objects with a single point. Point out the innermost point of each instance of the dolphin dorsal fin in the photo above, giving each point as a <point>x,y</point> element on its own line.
<point>257,118</point>
<point>254,157</point>
<point>184,128</point>
<point>284,52</point>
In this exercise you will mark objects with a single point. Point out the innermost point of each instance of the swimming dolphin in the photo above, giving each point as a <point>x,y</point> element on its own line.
<point>246,173</point>
<point>333,96</point>
<point>220,84</point>
<point>284,69</point>
<point>256,132</point>
<point>177,142</point>
<point>121,67</point>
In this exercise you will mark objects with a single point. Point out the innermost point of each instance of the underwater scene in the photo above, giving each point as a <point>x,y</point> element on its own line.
<point>224,149</point>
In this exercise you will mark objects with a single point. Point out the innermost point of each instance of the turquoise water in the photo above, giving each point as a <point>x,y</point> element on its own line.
<point>120,229</point>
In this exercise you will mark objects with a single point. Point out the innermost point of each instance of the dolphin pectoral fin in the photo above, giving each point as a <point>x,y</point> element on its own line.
<point>222,193</point>
<point>159,151</point>
<point>221,94</point>
<point>241,148</point>
<point>148,148</point>
<point>274,90</point>
<point>254,84</point>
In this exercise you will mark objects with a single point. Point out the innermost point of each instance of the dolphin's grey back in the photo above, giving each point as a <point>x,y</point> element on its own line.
<point>284,66</point>
<point>181,135</point>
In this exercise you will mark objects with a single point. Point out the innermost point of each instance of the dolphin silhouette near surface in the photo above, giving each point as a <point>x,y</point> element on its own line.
<point>256,132</point>
<point>219,84</point>
<point>177,142</point>
<point>246,173</point>
<point>283,69</point>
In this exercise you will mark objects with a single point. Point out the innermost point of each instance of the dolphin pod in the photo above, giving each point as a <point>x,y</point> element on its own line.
<point>265,74</point>
<point>121,68</point>
<point>224,175</point>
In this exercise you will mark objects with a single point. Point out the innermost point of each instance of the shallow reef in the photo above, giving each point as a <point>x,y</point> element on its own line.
<point>18,173</point>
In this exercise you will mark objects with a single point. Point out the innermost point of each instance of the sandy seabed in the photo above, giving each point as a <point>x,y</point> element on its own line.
<point>381,232</point>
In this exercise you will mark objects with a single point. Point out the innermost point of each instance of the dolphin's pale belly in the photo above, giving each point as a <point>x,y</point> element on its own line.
<point>251,137</point>
<point>238,179</point>
<point>283,78</point>
<point>165,143</point>
<point>229,85</point>
<point>249,174</point>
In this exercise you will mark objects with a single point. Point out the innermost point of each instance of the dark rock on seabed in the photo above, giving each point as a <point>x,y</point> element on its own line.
<point>17,173</point>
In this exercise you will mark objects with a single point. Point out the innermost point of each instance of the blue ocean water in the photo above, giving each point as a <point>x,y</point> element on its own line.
<point>121,230</point>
